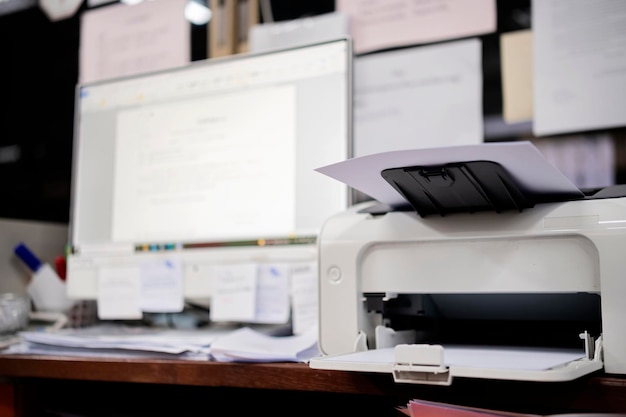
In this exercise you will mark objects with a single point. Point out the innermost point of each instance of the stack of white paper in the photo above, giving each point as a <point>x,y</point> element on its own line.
<point>223,343</point>
<point>248,345</point>
<point>107,340</point>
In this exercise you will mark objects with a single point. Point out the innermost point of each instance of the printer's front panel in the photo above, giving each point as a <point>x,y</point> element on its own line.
<point>561,263</point>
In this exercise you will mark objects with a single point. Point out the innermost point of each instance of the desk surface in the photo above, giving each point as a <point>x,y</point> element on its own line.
<point>279,376</point>
<point>596,393</point>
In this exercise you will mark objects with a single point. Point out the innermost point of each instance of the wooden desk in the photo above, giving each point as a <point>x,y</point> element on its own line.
<point>155,387</point>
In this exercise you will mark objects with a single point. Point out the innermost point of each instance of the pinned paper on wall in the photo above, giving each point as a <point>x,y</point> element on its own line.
<point>375,25</point>
<point>420,97</point>
<point>120,40</point>
<point>290,33</point>
<point>579,61</point>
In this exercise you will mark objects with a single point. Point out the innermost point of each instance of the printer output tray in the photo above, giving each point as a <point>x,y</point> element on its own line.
<point>437,365</point>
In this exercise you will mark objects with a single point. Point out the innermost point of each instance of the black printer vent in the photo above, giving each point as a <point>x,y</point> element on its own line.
<point>458,187</point>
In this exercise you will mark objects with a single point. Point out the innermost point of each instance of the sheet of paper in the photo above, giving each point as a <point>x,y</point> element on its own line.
<point>247,345</point>
<point>162,286</point>
<point>119,40</point>
<point>304,301</point>
<point>516,59</point>
<point>164,342</point>
<point>418,98</point>
<point>375,25</point>
<point>28,348</point>
<point>272,294</point>
<point>306,30</point>
<point>513,358</point>
<point>119,293</point>
<point>522,160</point>
<point>107,339</point>
<point>234,291</point>
<point>579,61</point>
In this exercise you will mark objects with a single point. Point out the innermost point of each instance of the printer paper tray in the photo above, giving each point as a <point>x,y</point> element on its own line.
<point>435,364</point>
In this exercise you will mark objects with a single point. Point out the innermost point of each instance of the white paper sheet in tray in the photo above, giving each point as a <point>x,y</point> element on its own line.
<point>415,363</point>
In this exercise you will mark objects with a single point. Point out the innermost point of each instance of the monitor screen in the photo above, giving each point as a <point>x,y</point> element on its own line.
<point>217,154</point>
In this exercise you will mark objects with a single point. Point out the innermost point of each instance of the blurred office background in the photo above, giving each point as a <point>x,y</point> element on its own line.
<point>38,76</point>
<point>40,69</point>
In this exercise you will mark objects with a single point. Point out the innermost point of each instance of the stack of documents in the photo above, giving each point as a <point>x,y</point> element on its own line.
<point>115,341</point>
<point>219,343</point>
<point>248,345</point>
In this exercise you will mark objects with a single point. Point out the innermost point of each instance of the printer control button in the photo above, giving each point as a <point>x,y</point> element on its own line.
<point>334,274</point>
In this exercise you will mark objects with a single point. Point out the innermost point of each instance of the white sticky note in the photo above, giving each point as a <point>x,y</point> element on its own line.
<point>234,292</point>
<point>272,299</point>
<point>162,286</point>
<point>118,293</point>
<point>304,300</point>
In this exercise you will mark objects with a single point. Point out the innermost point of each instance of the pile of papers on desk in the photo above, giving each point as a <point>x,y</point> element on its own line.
<point>114,341</point>
<point>221,343</point>
<point>247,345</point>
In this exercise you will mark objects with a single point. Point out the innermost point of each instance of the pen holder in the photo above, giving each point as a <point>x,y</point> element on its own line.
<point>48,292</point>
<point>49,295</point>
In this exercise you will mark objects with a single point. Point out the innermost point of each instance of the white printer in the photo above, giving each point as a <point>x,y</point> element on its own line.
<point>474,277</point>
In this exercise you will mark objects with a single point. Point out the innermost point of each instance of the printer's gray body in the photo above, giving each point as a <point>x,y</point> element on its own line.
<point>560,264</point>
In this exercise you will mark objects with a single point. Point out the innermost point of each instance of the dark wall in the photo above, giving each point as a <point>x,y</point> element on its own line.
<point>37,76</point>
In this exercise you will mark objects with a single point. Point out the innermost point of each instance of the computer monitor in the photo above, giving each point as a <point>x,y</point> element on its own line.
<point>209,163</point>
